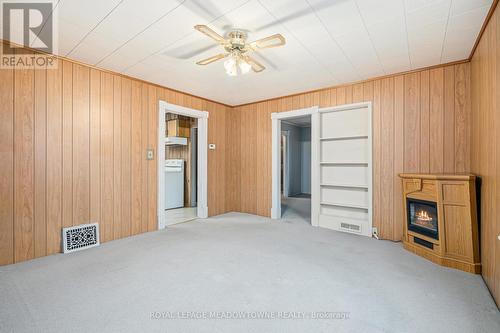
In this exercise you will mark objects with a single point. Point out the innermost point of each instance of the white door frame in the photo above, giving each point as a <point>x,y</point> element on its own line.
<point>286,173</point>
<point>202,116</point>
<point>276,118</point>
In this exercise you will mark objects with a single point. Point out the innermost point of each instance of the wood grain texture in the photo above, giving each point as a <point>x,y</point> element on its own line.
<point>24,80</point>
<point>73,150</point>
<point>95,145</point>
<point>54,158</point>
<point>126,144</point>
<point>485,146</point>
<point>424,122</point>
<point>377,147</point>
<point>7,166</point>
<point>387,157</point>
<point>462,119</point>
<point>408,122</point>
<point>40,171</point>
<point>412,123</point>
<point>117,158</point>
<point>107,158</point>
<point>212,161</point>
<point>144,163</point>
<point>81,145</point>
<point>67,144</point>
<point>136,161</point>
<point>436,118</point>
<point>152,111</point>
<point>449,120</point>
<point>233,160</point>
<point>398,154</point>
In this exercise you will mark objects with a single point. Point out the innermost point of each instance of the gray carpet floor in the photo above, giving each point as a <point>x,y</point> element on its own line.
<point>296,209</point>
<point>247,264</point>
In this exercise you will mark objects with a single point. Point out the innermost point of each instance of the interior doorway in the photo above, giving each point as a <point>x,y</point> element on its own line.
<point>182,148</point>
<point>293,157</point>
<point>180,168</point>
<point>296,169</point>
<point>283,167</point>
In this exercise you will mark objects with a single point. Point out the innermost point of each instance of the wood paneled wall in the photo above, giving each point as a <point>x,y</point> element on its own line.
<point>73,146</point>
<point>420,124</point>
<point>485,147</point>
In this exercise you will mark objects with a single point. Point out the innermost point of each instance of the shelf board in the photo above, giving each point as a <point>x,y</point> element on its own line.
<point>347,205</point>
<point>345,185</point>
<point>344,163</point>
<point>339,138</point>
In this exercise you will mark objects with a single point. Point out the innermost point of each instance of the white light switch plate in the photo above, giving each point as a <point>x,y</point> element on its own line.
<point>211,146</point>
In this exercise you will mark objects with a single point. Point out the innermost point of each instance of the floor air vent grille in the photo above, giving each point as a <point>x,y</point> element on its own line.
<point>80,237</point>
<point>350,227</point>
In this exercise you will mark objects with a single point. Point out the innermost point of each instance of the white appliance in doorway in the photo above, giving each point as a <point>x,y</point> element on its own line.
<point>174,184</point>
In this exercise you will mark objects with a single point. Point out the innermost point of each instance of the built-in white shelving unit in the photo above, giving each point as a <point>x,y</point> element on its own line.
<point>338,138</point>
<point>345,168</point>
<point>343,163</point>
<point>346,205</point>
<point>345,185</point>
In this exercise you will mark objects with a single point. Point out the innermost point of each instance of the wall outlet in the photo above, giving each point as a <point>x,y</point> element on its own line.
<point>375,232</point>
<point>150,155</point>
<point>211,146</point>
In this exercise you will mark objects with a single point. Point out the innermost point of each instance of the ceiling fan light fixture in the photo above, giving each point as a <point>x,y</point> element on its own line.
<point>235,65</point>
<point>230,66</point>
<point>237,48</point>
<point>244,66</point>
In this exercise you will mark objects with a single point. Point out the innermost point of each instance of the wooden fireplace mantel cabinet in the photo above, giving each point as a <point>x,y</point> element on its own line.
<point>457,245</point>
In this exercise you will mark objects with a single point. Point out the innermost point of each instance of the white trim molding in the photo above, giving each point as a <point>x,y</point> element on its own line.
<point>276,119</point>
<point>294,113</point>
<point>202,117</point>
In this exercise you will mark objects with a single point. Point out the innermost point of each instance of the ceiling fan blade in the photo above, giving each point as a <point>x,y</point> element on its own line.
<point>268,42</point>
<point>210,33</point>
<point>212,59</point>
<point>188,51</point>
<point>256,66</point>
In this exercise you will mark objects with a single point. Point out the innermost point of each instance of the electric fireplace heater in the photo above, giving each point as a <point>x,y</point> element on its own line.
<point>433,201</point>
<point>422,217</point>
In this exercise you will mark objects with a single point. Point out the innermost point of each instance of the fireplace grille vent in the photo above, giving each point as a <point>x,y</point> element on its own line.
<point>350,227</point>
<point>80,237</point>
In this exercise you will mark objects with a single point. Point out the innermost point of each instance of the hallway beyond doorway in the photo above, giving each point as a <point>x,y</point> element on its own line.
<point>296,208</point>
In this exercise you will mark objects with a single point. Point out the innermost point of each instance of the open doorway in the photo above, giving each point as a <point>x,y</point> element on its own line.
<point>307,118</point>
<point>182,149</point>
<point>180,168</point>
<point>296,169</point>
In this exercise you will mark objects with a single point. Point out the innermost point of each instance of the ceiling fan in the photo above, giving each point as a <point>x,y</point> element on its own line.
<point>237,49</point>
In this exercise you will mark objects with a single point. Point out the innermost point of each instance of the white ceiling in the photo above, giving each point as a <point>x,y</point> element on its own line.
<point>329,42</point>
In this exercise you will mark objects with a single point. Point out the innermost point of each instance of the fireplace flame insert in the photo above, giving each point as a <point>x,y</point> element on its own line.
<point>422,217</point>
